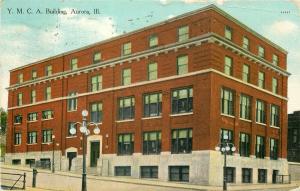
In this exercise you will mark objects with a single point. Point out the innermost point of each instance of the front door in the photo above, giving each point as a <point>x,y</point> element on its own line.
<point>274,176</point>
<point>70,156</point>
<point>95,147</point>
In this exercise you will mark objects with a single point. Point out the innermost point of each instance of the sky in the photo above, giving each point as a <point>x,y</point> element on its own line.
<point>36,34</point>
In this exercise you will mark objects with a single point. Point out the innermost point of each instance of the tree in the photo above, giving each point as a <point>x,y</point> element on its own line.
<point>3,120</point>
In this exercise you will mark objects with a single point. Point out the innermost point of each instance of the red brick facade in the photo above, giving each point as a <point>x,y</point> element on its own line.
<point>205,75</point>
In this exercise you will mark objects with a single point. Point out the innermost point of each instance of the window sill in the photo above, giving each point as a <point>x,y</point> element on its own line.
<point>70,137</point>
<point>275,127</point>
<point>181,153</point>
<point>72,110</point>
<point>247,120</point>
<point>17,123</point>
<point>17,145</point>
<point>261,123</point>
<point>181,114</point>
<point>126,120</point>
<point>32,121</point>
<point>47,119</point>
<point>48,143</point>
<point>226,115</point>
<point>31,143</point>
<point>154,117</point>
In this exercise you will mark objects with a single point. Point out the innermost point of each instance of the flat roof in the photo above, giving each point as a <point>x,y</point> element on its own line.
<point>206,8</point>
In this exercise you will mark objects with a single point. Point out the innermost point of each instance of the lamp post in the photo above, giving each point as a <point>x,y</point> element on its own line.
<point>53,149</point>
<point>225,147</point>
<point>85,132</point>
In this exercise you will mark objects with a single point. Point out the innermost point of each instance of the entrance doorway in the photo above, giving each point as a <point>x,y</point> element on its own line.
<point>95,148</point>
<point>274,176</point>
<point>70,156</point>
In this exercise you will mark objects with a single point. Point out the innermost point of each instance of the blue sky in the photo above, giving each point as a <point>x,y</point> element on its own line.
<point>25,38</point>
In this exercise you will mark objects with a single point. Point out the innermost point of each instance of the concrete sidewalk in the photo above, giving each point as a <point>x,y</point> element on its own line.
<point>67,181</point>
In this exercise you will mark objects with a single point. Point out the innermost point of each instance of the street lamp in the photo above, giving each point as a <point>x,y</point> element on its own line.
<point>85,132</point>
<point>225,147</point>
<point>53,148</point>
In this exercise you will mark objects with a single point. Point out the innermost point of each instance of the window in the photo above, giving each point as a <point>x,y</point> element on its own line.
<point>49,70</point>
<point>149,171</point>
<point>96,83</point>
<point>261,79</point>
<point>183,33</point>
<point>70,126</point>
<point>230,174</point>
<point>227,103</point>
<point>295,135</point>
<point>48,114</point>
<point>20,78</point>
<point>228,32</point>
<point>246,175</point>
<point>228,66</point>
<point>245,107</point>
<point>33,74</point>
<point>74,62</point>
<point>179,173</point>
<point>245,43</point>
<point>152,71</point>
<point>152,104</point>
<point>274,85</point>
<point>32,116</point>
<point>273,149</point>
<point>260,112</point>
<point>18,138</point>
<point>32,96</point>
<point>96,112</point>
<point>152,143</point>
<point>275,59</point>
<point>246,73</point>
<point>126,76</point>
<point>18,119</point>
<point>261,52</point>
<point>153,41</point>
<point>32,137</point>
<point>72,102</point>
<point>244,145</point>
<point>126,108</point>
<point>48,93</point>
<point>30,162</point>
<point>262,176</point>
<point>47,136</point>
<point>275,116</point>
<point>182,140</point>
<point>182,100</point>
<point>122,171</point>
<point>16,161</point>
<point>226,136</point>
<point>260,147</point>
<point>126,49</point>
<point>97,57</point>
<point>20,99</point>
<point>125,144</point>
<point>182,64</point>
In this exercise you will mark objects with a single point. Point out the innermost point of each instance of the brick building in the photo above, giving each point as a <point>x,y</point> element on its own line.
<point>164,96</point>
<point>294,137</point>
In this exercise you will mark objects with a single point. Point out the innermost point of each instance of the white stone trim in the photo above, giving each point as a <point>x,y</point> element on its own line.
<point>181,114</point>
<point>151,82</point>
<point>263,124</point>
<point>123,121</point>
<point>154,117</point>
<point>226,115</point>
<point>247,120</point>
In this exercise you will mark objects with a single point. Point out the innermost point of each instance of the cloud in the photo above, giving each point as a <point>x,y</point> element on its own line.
<point>165,2</point>
<point>297,3</point>
<point>284,27</point>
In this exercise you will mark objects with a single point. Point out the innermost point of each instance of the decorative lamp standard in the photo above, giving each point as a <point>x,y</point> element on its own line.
<point>225,147</point>
<point>85,132</point>
<point>53,149</point>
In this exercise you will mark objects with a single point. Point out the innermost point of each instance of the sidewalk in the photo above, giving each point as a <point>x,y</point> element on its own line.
<point>70,180</point>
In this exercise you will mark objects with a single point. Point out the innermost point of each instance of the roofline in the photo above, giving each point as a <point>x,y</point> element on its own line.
<point>206,8</point>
